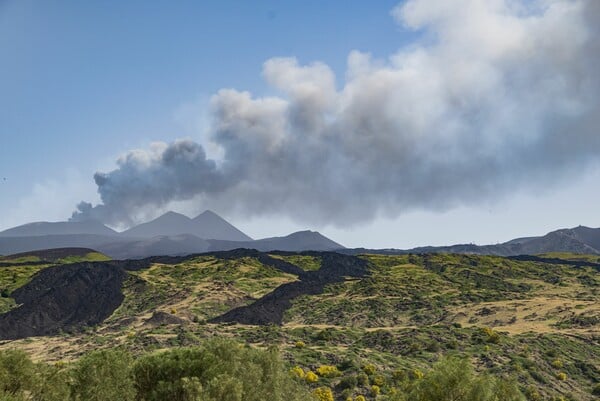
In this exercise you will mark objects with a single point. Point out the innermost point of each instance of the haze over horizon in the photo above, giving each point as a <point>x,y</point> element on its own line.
<point>388,125</point>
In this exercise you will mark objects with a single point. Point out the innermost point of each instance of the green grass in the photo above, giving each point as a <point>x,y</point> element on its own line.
<point>89,257</point>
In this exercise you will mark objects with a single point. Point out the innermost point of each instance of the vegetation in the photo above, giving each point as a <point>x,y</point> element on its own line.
<point>219,370</point>
<point>413,328</point>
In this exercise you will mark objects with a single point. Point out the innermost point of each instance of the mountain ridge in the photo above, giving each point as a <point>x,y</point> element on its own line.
<point>207,225</point>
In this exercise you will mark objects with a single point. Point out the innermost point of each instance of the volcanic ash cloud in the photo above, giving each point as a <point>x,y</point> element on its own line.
<point>497,95</point>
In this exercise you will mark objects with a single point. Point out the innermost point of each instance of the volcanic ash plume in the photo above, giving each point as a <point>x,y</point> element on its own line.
<point>498,95</point>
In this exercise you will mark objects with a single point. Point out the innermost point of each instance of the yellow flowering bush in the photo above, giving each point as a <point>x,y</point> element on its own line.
<point>375,390</point>
<point>298,372</point>
<point>369,369</point>
<point>323,394</point>
<point>311,377</point>
<point>328,371</point>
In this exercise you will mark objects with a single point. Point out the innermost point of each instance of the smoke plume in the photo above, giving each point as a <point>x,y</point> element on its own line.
<point>497,96</point>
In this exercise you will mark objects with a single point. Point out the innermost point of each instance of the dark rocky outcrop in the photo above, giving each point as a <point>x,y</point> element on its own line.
<point>64,298</point>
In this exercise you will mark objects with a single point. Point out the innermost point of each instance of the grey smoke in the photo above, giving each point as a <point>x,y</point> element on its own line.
<point>500,95</point>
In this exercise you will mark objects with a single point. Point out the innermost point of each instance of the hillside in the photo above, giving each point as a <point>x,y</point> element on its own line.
<point>58,228</point>
<point>580,240</point>
<point>371,316</point>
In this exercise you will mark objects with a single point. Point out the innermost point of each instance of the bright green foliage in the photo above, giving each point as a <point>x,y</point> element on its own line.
<point>218,371</point>
<point>454,379</point>
<point>103,376</point>
<point>52,384</point>
<point>16,372</point>
<point>21,379</point>
<point>369,369</point>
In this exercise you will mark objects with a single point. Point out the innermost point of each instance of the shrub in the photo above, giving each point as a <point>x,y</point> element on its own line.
<point>562,376</point>
<point>323,394</point>
<point>348,364</point>
<point>328,371</point>
<point>219,370</point>
<point>16,372</point>
<point>433,346</point>
<point>360,398</point>
<point>532,394</point>
<point>557,364</point>
<point>491,336</point>
<point>104,375</point>
<point>348,382</point>
<point>362,379</point>
<point>378,380</point>
<point>52,383</point>
<point>416,374</point>
<point>369,369</point>
<point>298,372</point>
<point>311,377</point>
<point>299,344</point>
<point>453,379</point>
<point>375,390</point>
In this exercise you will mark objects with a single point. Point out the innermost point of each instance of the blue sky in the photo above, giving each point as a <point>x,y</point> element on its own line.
<point>83,82</point>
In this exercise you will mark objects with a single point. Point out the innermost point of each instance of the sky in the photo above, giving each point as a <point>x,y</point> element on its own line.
<point>380,124</point>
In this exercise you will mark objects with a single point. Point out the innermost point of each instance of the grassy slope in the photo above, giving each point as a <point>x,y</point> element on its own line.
<point>530,320</point>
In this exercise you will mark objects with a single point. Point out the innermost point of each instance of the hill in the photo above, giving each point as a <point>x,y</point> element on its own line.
<point>55,255</point>
<point>581,240</point>
<point>298,241</point>
<point>59,228</point>
<point>366,319</point>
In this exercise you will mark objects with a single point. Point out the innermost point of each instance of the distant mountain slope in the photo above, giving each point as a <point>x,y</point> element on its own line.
<point>11,245</point>
<point>207,225</point>
<point>581,240</point>
<point>58,228</point>
<point>176,245</point>
<point>298,241</point>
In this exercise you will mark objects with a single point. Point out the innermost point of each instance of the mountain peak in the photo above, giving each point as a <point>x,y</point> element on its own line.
<point>207,213</point>
<point>173,215</point>
<point>207,225</point>
<point>213,226</point>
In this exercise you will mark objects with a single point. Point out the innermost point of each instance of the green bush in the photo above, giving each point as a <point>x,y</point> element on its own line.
<point>219,370</point>
<point>348,382</point>
<point>454,379</point>
<point>16,372</point>
<point>103,376</point>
